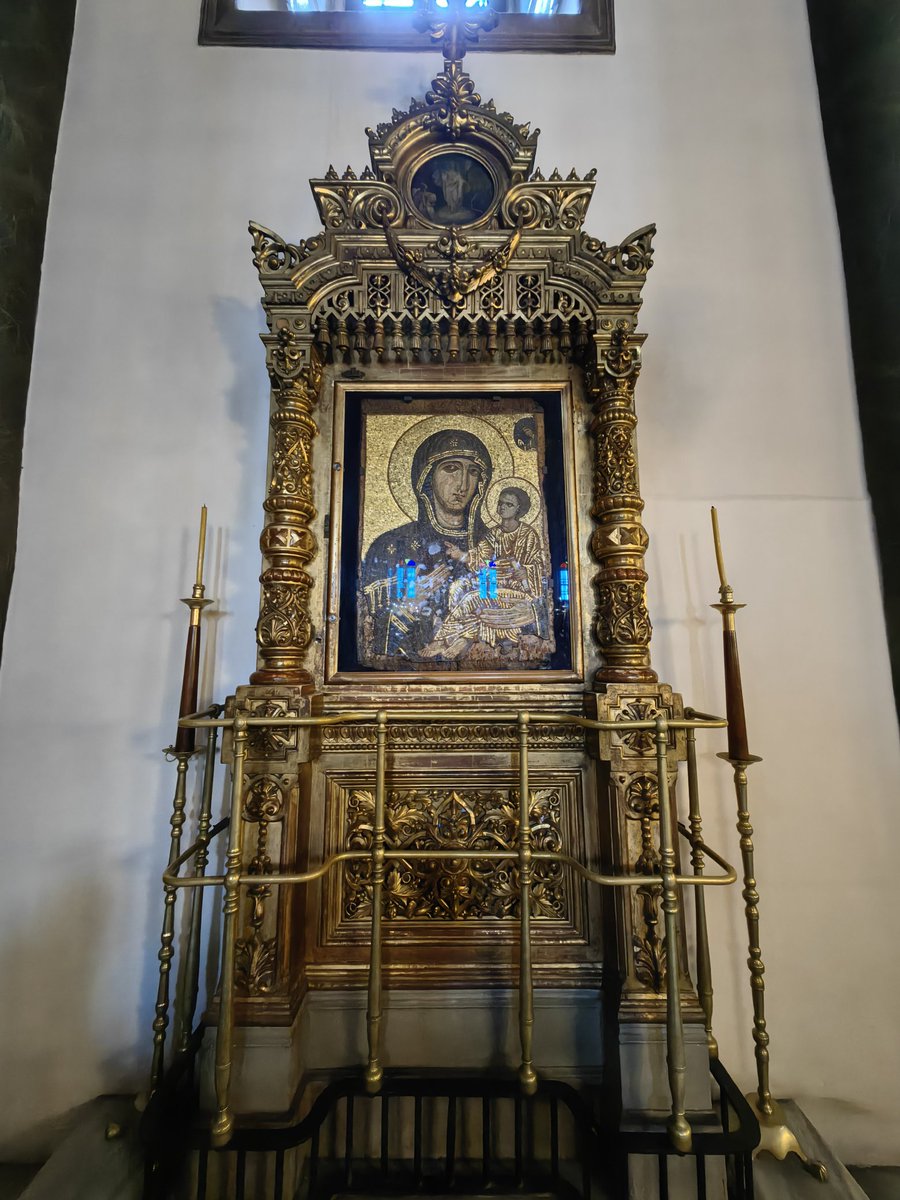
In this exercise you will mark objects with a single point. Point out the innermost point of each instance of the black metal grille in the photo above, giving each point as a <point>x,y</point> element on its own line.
<point>342,1146</point>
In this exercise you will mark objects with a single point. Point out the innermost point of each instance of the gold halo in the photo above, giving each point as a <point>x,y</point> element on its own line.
<point>400,463</point>
<point>500,485</point>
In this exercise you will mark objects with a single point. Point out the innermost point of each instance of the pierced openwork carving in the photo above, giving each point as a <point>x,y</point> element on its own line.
<point>455,889</point>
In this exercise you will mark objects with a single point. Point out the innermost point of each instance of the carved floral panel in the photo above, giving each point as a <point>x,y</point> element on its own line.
<point>455,889</point>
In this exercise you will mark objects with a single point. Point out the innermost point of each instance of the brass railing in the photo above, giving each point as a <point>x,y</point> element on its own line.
<point>234,878</point>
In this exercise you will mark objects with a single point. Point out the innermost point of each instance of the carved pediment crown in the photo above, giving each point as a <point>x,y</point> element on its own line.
<point>452,221</point>
<point>451,159</point>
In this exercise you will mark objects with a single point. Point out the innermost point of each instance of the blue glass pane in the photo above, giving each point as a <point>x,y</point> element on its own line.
<point>564,584</point>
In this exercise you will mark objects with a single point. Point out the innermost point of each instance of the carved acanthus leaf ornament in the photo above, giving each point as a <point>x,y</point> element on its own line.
<point>455,889</point>
<point>255,952</point>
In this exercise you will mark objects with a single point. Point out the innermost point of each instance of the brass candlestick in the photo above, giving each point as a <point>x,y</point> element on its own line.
<point>181,752</point>
<point>776,1138</point>
<point>185,738</point>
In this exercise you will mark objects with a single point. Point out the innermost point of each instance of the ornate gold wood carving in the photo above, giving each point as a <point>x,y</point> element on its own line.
<point>632,839</point>
<point>619,541</point>
<point>641,795</point>
<point>434,736</point>
<point>510,280</point>
<point>270,816</point>
<point>453,283</point>
<point>414,274</point>
<point>284,629</point>
<point>255,953</point>
<point>456,890</point>
<point>452,923</point>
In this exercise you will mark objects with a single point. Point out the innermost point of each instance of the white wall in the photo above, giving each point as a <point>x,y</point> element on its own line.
<point>149,396</point>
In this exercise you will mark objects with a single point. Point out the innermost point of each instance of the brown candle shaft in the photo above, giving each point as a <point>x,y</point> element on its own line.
<point>738,745</point>
<point>185,739</point>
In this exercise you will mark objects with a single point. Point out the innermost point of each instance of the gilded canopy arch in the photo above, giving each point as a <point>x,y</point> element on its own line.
<point>450,249</point>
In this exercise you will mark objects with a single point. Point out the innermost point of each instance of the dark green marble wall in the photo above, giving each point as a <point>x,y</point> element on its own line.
<point>856,44</point>
<point>35,39</point>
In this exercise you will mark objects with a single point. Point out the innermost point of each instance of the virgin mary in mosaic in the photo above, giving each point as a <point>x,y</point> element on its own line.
<point>463,584</point>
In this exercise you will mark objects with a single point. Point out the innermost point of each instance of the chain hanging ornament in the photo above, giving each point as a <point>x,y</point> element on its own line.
<point>776,1137</point>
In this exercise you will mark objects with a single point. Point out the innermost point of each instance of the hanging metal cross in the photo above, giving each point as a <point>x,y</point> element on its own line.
<point>455,25</point>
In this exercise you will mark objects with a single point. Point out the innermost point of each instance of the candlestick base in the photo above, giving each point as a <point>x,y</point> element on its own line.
<point>739,762</point>
<point>779,1140</point>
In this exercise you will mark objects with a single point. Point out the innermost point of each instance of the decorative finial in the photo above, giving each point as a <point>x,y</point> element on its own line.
<point>455,25</point>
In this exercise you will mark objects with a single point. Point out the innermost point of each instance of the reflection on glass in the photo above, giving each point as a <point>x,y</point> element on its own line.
<point>487,581</point>
<point>406,581</point>
<point>537,8</point>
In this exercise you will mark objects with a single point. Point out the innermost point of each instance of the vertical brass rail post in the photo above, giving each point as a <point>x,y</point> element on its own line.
<point>679,1129</point>
<point>223,1124</point>
<point>704,964</point>
<point>191,990</point>
<point>776,1138</point>
<point>374,1070</point>
<point>167,936</point>
<point>527,1074</point>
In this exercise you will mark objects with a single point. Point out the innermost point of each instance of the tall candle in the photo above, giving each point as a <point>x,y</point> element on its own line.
<point>720,562</point>
<point>201,549</point>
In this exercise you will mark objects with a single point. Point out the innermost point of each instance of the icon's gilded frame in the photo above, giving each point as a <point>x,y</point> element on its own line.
<point>337,533</point>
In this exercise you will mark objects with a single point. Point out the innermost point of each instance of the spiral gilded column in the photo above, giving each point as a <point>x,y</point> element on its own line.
<point>284,630</point>
<point>619,541</point>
